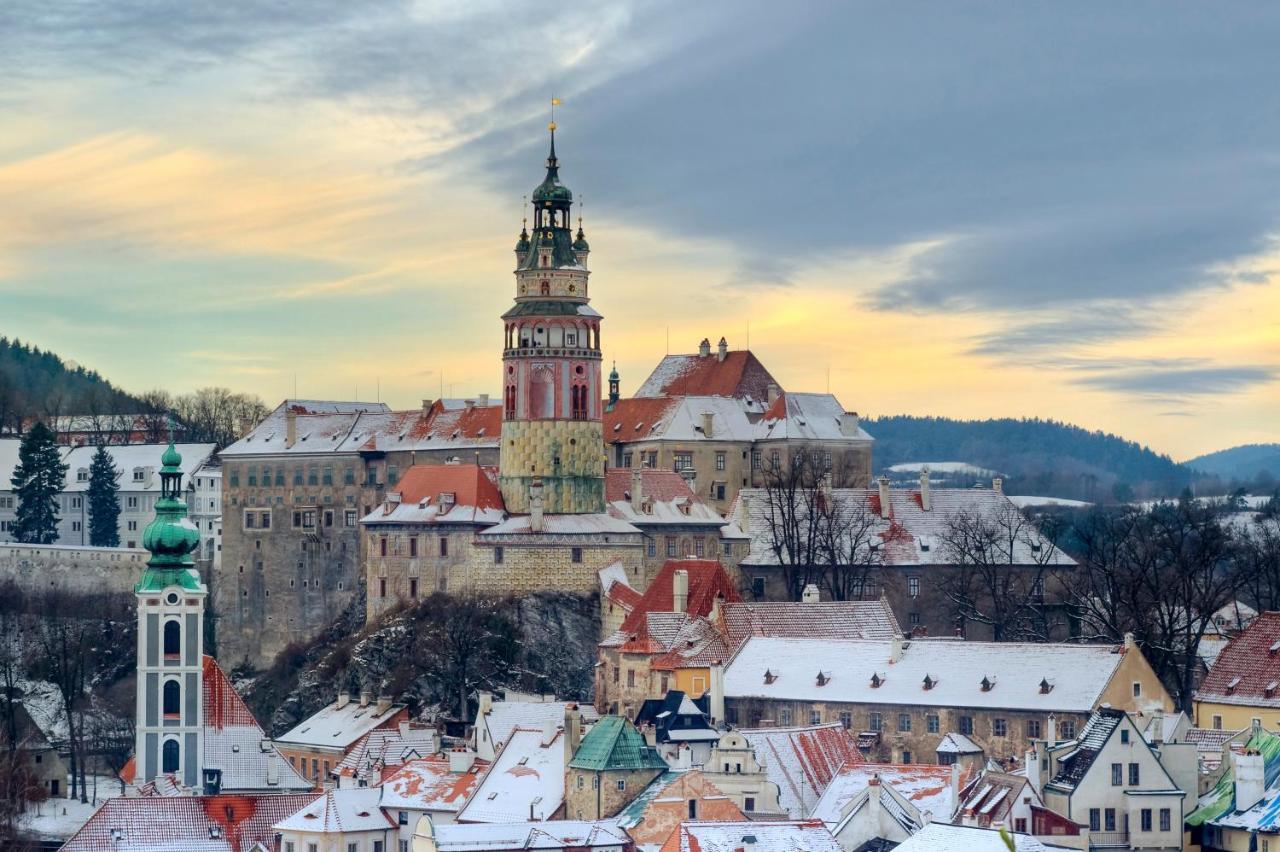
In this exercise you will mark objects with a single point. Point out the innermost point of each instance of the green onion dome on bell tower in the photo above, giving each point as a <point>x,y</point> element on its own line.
<point>170,537</point>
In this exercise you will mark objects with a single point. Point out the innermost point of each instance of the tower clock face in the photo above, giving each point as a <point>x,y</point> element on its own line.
<point>573,288</point>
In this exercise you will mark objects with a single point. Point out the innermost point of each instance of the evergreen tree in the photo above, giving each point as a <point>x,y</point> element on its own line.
<point>37,481</point>
<point>104,502</point>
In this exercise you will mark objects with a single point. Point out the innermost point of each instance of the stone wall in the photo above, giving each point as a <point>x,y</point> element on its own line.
<point>532,563</point>
<point>595,795</point>
<point>530,449</point>
<point>40,568</point>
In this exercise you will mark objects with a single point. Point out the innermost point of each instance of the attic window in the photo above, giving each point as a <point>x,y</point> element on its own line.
<point>987,683</point>
<point>523,761</point>
<point>493,796</point>
<point>1275,648</point>
<point>929,683</point>
<point>769,677</point>
<point>1271,689</point>
<point>1046,686</point>
<point>1231,687</point>
<point>1035,547</point>
<point>876,680</point>
<point>924,546</point>
<point>823,678</point>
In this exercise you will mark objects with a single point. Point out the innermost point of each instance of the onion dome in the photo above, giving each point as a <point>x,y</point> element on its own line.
<point>613,374</point>
<point>551,189</point>
<point>170,537</point>
<point>522,244</point>
<point>580,240</point>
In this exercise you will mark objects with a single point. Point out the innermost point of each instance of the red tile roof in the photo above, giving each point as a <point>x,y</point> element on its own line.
<point>1247,671</point>
<point>802,761</point>
<point>798,620</point>
<point>180,823</point>
<point>223,707</point>
<point>471,484</point>
<point>661,485</point>
<point>739,375</point>
<point>428,784</point>
<point>634,419</point>
<point>707,580</point>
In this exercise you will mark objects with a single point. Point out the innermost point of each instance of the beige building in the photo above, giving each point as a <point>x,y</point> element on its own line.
<point>610,767</point>
<point>317,745</point>
<point>349,820</point>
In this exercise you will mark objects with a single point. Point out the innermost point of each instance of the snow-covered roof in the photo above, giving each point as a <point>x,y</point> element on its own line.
<point>737,374</point>
<point>585,524</point>
<point>340,811</point>
<point>909,535</point>
<point>957,743</point>
<point>1034,676</point>
<point>810,620</point>
<point>505,716</point>
<point>664,498</point>
<point>802,760</point>
<point>386,747</point>
<point>442,494</point>
<point>144,458</point>
<point>235,743</point>
<point>796,836</point>
<point>225,823</point>
<point>926,787</point>
<point>427,784</point>
<point>525,782</point>
<point>559,834</point>
<point>338,727</point>
<point>1022,501</point>
<point>940,837</point>
<point>800,417</point>
<point>810,417</point>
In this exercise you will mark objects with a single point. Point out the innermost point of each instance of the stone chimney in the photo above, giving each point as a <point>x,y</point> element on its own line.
<point>290,429</point>
<point>469,403</point>
<point>461,759</point>
<point>955,784</point>
<point>810,594</point>
<point>484,704</point>
<point>365,697</point>
<point>426,405</point>
<point>384,704</point>
<point>1157,727</point>
<point>572,731</point>
<point>715,703</point>
<point>535,506</point>
<point>722,349</point>
<point>773,393</point>
<point>850,423</point>
<point>1034,762</point>
<point>549,728</point>
<point>344,698</point>
<point>926,499</point>
<point>704,348</point>
<point>1250,779</point>
<point>997,485</point>
<point>483,401</point>
<point>637,489</point>
<point>885,505</point>
<point>895,649</point>
<point>680,591</point>
<point>708,424</point>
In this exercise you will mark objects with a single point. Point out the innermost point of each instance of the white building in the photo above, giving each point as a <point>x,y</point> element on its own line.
<point>348,820</point>
<point>204,497</point>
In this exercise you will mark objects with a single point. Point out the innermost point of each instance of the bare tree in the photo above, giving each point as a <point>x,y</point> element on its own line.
<point>1259,548</point>
<point>218,416</point>
<point>849,541</point>
<point>468,645</point>
<point>156,415</point>
<point>1000,562</point>
<point>793,520</point>
<point>64,646</point>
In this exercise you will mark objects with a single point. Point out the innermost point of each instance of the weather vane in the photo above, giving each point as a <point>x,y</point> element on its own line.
<point>555,102</point>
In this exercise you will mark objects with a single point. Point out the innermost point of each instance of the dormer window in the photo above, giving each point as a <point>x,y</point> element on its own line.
<point>769,677</point>
<point>929,683</point>
<point>987,683</point>
<point>82,474</point>
<point>876,680</point>
<point>924,546</point>
<point>1231,686</point>
<point>1046,686</point>
<point>823,678</point>
<point>139,474</point>
<point>1270,690</point>
<point>1275,648</point>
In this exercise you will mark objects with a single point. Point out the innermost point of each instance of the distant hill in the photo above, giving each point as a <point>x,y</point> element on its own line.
<point>1041,457</point>
<point>36,383</point>
<point>1244,463</point>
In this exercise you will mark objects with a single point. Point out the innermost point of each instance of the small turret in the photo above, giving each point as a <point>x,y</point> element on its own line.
<point>614,395</point>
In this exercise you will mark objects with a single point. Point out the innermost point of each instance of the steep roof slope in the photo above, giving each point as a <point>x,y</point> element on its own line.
<point>1247,670</point>
<point>803,760</point>
<point>613,743</point>
<point>739,374</point>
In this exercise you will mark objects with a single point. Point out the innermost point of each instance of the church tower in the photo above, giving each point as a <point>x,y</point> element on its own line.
<point>171,600</point>
<point>551,432</point>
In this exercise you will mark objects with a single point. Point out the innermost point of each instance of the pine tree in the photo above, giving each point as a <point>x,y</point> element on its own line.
<point>104,502</point>
<point>37,480</point>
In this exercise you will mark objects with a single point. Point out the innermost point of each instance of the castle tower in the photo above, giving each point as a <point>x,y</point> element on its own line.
<point>170,640</point>
<point>551,364</point>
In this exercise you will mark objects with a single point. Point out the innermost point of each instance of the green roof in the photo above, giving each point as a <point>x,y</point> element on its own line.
<point>614,743</point>
<point>1222,798</point>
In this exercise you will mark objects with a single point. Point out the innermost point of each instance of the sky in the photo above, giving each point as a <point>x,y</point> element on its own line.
<point>962,209</point>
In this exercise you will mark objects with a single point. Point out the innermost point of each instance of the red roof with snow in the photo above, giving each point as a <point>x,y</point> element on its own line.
<point>223,707</point>
<point>707,580</point>
<point>634,419</point>
<point>471,484</point>
<point>739,375</point>
<point>1247,671</point>
<point>803,760</point>
<point>661,485</point>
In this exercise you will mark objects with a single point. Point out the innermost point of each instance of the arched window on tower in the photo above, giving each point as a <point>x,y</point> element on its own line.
<point>172,639</point>
<point>169,756</point>
<point>172,699</point>
<point>545,288</point>
<point>509,403</point>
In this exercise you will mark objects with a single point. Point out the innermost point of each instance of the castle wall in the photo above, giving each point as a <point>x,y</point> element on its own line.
<point>40,568</point>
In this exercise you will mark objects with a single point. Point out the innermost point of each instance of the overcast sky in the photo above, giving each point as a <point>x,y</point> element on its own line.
<point>1062,210</point>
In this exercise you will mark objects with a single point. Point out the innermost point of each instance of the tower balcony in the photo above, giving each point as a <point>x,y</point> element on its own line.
<point>552,352</point>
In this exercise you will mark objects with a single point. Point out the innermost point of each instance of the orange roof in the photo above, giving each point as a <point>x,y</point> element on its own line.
<point>223,706</point>
<point>662,485</point>
<point>707,580</point>
<point>634,419</point>
<point>665,804</point>
<point>739,375</point>
<point>471,484</point>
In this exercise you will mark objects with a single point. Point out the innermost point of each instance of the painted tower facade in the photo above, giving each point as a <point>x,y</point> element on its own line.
<point>171,600</point>
<point>551,433</point>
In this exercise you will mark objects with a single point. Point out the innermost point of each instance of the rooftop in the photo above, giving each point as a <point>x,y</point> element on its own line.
<point>505,716</point>
<point>813,620</point>
<point>559,834</point>
<point>427,784</point>
<point>614,743</point>
<point>442,494</point>
<point>525,782</point>
<point>803,760</point>
<point>926,787</point>
<point>601,524</point>
<point>340,811</point>
<point>664,498</point>
<point>797,836</point>
<point>940,837</point>
<point>1247,670</point>
<point>739,374</point>
<point>339,727</point>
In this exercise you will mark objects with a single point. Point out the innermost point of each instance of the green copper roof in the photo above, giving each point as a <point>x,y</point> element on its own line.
<point>559,240</point>
<point>551,189</point>
<point>580,241</point>
<point>550,308</point>
<point>171,536</point>
<point>1222,799</point>
<point>614,743</point>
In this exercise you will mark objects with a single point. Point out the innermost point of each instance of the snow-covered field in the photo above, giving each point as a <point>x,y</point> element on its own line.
<point>941,467</point>
<point>1022,501</point>
<point>58,819</point>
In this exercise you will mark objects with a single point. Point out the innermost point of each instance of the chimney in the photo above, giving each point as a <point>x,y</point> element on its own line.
<point>895,649</point>
<point>716,702</point>
<point>426,406</point>
<point>469,403</point>
<point>344,698</point>
<point>403,729</point>
<point>637,489</point>
<point>1250,779</point>
<point>1157,727</point>
<point>811,594</point>
<point>722,349</point>
<point>290,428</point>
<point>955,785</point>
<point>572,731</point>
<point>384,704</point>
<point>484,704</point>
<point>883,482</point>
<point>708,424</point>
<point>850,424</point>
<point>365,697</point>
<point>535,506</point>
<point>926,499</point>
<point>704,348</point>
<point>549,728</point>
<point>1034,762</point>
<point>1129,643</point>
<point>461,759</point>
<point>717,609</point>
<point>684,757</point>
<point>680,591</point>
<point>773,393</point>
<point>997,485</point>
<point>483,401</point>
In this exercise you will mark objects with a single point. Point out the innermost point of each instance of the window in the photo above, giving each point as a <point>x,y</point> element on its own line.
<point>497,555</point>
<point>1124,735</point>
<point>874,722</point>
<point>846,719</point>
<point>1109,819</point>
<point>304,519</point>
<point>699,547</point>
<point>313,475</point>
<point>413,545</point>
<point>720,461</point>
<point>933,723</point>
<point>784,717</point>
<point>683,461</point>
<point>326,476</point>
<point>131,503</point>
<point>169,756</point>
<point>1146,819</point>
<point>965,724</point>
<point>75,526</point>
<point>279,477</point>
<point>575,554</point>
<point>349,476</point>
<point>904,722</point>
<point>671,546</point>
<point>264,520</point>
<point>402,818</point>
<point>172,638</point>
<point>1020,825</point>
<point>1217,723</point>
<point>413,587</point>
<point>1166,819</point>
<point>906,756</point>
<point>132,526</point>
<point>382,546</point>
<point>1033,729</point>
<point>288,846</point>
<point>749,803</point>
<point>235,477</point>
<point>1117,774</point>
<point>652,548</point>
<point>999,728</point>
<point>728,548</point>
<point>631,677</point>
<point>755,459</point>
<point>393,474</point>
<point>172,699</point>
<point>815,717</point>
<point>1095,819</point>
<point>757,586</point>
<point>1137,689</point>
<point>718,490</point>
<point>1066,730</point>
<point>382,587</point>
<point>622,783</point>
<point>1134,775</point>
<point>913,587</point>
<point>913,618</point>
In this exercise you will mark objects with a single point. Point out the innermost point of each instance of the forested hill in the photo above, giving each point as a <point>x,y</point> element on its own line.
<point>35,383</point>
<point>1243,463</point>
<point>1042,457</point>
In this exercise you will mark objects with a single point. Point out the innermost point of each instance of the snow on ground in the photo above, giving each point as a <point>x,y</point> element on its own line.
<point>1252,501</point>
<point>1022,501</point>
<point>44,703</point>
<point>58,819</point>
<point>941,467</point>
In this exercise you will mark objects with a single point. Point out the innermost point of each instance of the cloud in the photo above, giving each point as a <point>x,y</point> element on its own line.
<point>1050,337</point>
<point>1176,380</point>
